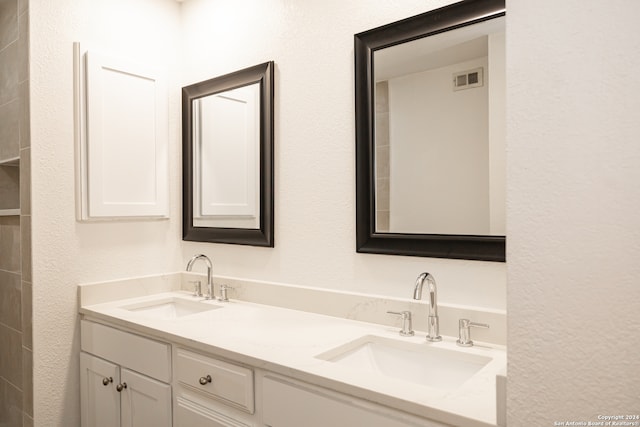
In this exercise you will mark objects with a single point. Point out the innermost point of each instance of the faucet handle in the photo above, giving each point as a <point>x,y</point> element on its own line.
<point>197,288</point>
<point>464,328</point>
<point>407,327</point>
<point>223,293</point>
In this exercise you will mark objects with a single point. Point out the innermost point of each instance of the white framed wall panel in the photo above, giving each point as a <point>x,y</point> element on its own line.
<point>122,138</point>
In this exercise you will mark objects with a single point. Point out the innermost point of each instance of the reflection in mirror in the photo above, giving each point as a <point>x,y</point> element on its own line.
<point>226,144</point>
<point>430,148</point>
<point>438,130</point>
<point>228,158</point>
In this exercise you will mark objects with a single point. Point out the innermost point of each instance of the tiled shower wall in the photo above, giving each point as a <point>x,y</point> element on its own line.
<point>16,351</point>
<point>382,156</point>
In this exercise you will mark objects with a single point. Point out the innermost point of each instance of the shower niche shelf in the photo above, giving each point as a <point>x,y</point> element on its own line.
<point>10,186</point>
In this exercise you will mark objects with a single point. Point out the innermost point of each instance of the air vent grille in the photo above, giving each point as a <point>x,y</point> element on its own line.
<point>468,79</point>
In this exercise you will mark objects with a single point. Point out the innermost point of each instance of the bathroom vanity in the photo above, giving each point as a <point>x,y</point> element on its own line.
<point>152,354</point>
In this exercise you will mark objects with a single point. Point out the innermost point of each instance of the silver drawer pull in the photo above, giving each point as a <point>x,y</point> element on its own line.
<point>121,387</point>
<point>205,380</point>
<point>106,381</point>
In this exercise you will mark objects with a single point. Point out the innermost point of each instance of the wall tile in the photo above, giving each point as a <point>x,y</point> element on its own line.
<point>10,244</point>
<point>382,221</point>
<point>9,187</point>
<point>10,300</point>
<point>25,242</point>
<point>27,383</point>
<point>16,356</point>
<point>22,6</point>
<point>382,129</point>
<point>10,130</point>
<point>23,47</point>
<point>8,22</point>
<point>23,115</point>
<point>382,194</point>
<point>11,356</point>
<point>9,73</point>
<point>382,97</point>
<point>382,162</point>
<point>25,181</point>
<point>10,405</point>
<point>27,315</point>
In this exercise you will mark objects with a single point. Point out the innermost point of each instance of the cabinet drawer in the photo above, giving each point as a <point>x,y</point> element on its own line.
<point>144,355</point>
<point>188,413</point>
<point>231,384</point>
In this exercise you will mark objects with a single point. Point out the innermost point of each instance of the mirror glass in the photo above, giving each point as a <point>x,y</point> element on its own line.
<point>439,133</point>
<point>430,142</point>
<point>228,158</point>
<point>226,144</point>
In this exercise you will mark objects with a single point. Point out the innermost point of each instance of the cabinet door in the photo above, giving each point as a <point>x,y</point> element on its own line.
<point>124,166</point>
<point>292,405</point>
<point>145,401</point>
<point>99,399</point>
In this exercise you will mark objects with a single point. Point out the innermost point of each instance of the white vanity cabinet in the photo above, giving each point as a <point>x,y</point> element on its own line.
<point>210,392</point>
<point>124,379</point>
<point>290,403</point>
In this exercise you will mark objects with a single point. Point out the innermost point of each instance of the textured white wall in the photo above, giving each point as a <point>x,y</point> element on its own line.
<point>312,46</point>
<point>66,253</point>
<point>573,135</point>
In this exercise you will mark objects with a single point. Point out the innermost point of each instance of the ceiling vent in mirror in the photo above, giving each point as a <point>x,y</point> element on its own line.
<point>468,79</point>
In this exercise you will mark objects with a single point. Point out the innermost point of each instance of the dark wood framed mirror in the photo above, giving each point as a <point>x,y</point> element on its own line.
<point>381,226</point>
<point>227,158</point>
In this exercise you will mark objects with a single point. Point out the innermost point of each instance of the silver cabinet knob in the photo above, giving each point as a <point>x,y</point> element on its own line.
<point>106,381</point>
<point>121,387</point>
<point>205,380</point>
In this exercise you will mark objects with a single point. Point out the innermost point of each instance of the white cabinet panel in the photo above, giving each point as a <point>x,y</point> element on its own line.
<point>99,400</point>
<point>145,402</point>
<point>286,404</point>
<point>142,354</point>
<point>122,134</point>
<point>113,394</point>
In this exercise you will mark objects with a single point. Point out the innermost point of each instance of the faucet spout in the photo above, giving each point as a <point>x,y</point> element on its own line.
<point>433,333</point>
<point>207,261</point>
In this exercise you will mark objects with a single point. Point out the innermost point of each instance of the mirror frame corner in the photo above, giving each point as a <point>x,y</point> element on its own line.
<point>469,247</point>
<point>263,236</point>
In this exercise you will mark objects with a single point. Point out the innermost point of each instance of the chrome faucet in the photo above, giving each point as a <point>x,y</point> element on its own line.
<point>433,333</point>
<point>209,270</point>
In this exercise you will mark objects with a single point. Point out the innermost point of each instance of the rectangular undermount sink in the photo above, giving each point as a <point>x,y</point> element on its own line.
<point>169,308</point>
<point>423,363</point>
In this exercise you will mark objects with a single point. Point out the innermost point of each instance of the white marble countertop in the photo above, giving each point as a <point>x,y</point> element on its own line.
<point>287,341</point>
